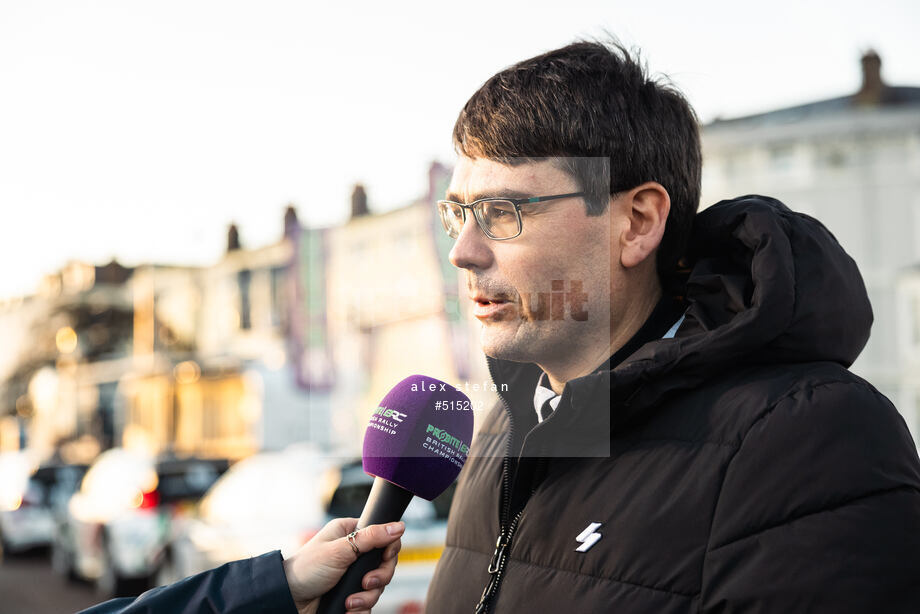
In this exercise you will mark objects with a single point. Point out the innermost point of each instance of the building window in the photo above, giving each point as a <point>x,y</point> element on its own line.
<point>914,322</point>
<point>277,298</point>
<point>832,156</point>
<point>782,157</point>
<point>916,228</point>
<point>244,279</point>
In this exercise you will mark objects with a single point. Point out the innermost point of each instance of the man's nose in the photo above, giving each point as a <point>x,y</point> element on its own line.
<point>471,249</point>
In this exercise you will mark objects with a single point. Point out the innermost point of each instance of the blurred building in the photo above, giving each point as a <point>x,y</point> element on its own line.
<point>67,347</point>
<point>289,342</point>
<point>908,307</point>
<point>172,359</point>
<point>852,162</point>
<point>219,352</point>
<point>394,307</point>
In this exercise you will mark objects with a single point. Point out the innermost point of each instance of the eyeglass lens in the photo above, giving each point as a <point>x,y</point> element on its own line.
<point>498,218</point>
<point>451,218</point>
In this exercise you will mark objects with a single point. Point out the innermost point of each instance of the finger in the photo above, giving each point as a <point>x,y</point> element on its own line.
<point>392,550</point>
<point>379,535</point>
<point>364,600</point>
<point>339,527</point>
<point>381,576</point>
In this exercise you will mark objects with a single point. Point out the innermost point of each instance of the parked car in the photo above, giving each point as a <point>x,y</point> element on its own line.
<point>31,501</point>
<point>266,502</point>
<point>118,523</point>
<point>279,500</point>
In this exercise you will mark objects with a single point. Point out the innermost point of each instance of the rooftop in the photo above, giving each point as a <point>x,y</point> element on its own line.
<point>873,93</point>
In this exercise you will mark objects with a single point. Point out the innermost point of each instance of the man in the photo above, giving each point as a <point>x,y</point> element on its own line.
<point>682,434</point>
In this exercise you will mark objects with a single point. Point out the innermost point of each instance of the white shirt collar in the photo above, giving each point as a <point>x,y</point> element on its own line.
<point>540,396</point>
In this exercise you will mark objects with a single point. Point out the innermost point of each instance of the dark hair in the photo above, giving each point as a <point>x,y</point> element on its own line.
<point>593,106</point>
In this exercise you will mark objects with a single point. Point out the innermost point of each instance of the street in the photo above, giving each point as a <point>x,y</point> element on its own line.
<point>28,586</point>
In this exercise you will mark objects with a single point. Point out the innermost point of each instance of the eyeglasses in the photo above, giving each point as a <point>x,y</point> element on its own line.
<point>499,218</point>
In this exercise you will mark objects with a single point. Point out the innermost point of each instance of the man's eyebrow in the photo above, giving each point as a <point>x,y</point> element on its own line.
<point>500,193</point>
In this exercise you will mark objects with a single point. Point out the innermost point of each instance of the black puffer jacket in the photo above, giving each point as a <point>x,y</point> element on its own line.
<point>739,467</point>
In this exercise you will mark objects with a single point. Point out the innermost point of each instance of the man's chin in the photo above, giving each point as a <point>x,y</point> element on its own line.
<point>494,346</point>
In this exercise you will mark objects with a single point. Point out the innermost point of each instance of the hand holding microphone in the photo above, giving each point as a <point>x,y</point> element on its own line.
<point>317,565</point>
<point>412,447</point>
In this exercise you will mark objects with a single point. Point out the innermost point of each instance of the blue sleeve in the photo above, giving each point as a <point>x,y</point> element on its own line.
<point>256,585</point>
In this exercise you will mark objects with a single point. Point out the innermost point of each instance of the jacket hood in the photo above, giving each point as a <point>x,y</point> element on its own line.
<point>765,285</point>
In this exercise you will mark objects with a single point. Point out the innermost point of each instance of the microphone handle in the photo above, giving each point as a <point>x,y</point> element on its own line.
<point>386,503</point>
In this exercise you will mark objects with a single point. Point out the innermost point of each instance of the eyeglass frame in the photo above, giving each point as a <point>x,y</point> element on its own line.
<point>515,202</point>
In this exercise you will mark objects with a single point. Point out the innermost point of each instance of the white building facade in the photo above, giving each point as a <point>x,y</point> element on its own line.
<point>854,164</point>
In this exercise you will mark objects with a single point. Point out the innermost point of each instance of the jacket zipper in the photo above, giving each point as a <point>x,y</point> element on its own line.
<point>503,543</point>
<point>506,477</point>
<point>497,565</point>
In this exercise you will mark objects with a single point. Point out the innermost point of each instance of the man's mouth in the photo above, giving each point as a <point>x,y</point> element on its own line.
<point>489,308</point>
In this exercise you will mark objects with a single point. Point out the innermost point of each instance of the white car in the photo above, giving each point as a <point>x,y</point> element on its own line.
<point>24,523</point>
<point>118,523</point>
<point>29,519</point>
<point>269,501</point>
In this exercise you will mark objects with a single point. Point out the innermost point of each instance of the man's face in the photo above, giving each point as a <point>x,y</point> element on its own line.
<point>544,294</point>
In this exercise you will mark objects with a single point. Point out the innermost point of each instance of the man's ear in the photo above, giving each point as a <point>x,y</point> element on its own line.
<point>645,210</point>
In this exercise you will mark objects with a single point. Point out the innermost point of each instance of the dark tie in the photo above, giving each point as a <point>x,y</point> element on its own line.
<point>546,409</point>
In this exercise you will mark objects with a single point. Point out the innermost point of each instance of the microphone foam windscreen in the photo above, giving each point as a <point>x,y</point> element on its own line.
<point>419,436</point>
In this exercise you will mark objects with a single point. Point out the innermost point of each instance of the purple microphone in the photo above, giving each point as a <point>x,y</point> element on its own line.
<point>415,444</point>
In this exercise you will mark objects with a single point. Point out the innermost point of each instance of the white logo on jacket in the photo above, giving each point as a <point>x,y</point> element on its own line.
<point>588,537</point>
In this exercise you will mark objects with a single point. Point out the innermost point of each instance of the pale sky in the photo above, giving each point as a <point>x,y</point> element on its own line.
<point>140,130</point>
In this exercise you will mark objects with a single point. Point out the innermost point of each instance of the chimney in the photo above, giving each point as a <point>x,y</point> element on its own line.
<point>438,180</point>
<point>233,238</point>
<point>872,85</point>
<point>359,202</point>
<point>113,273</point>
<point>291,223</point>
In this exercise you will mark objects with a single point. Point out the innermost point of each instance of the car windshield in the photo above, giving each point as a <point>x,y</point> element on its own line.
<point>56,482</point>
<point>188,480</point>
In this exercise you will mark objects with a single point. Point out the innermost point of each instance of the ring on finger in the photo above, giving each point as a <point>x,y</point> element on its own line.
<point>352,542</point>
